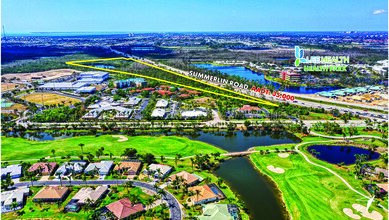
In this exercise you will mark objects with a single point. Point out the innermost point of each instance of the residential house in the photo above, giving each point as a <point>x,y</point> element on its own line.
<point>189,179</point>
<point>51,194</point>
<point>207,193</point>
<point>128,167</point>
<point>43,168</point>
<point>219,212</point>
<point>153,168</point>
<point>103,167</point>
<point>68,167</point>
<point>8,197</point>
<point>84,195</point>
<point>15,171</point>
<point>124,208</point>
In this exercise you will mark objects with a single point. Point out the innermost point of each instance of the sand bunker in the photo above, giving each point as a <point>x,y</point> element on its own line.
<point>372,215</point>
<point>122,138</point>
<point>275,170</point>
<point>349,213</point>
<point>283,155</point>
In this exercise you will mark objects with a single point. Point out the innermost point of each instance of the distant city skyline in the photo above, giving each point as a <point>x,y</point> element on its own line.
<point>25,16</point>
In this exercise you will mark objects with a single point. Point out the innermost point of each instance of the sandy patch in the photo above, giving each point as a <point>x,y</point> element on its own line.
<point>283,155</point>
<point>371,215</point>
<point>44,178</point>
<point>121,138</point>
<point>349,213</point>
<point>275,169</point>
<point>45,75</point>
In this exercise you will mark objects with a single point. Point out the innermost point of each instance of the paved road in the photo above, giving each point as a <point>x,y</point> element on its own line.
<point>173,204</point>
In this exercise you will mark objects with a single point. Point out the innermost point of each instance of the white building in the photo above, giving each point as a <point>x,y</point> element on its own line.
<point>102,167</point>
<point>87,89</point>
<point>62,86</point>
<point>67,167</point>
<point>162,103</point>
<point>193,113</point>
<point>8,197</point>
<point>163,170</point>
<point>158,113</point>
<point>133,101</point>
<point>15,171</point>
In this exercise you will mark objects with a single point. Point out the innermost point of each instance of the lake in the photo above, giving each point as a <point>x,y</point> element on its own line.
<point>337,154</point>
<point>251,75</point>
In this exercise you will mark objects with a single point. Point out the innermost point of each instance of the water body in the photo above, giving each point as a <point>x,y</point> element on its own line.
<point>258,193</point>
<point>254,189</point>
<point>104,66</point>
<point>337,154</point>
<point>251,75</point>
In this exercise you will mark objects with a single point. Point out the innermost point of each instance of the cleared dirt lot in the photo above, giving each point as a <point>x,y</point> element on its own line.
<point>45,75</point>
<point>10,86</point>
<point>49,99</point>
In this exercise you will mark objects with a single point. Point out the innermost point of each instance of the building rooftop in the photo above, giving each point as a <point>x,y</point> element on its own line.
<point>43,166</point>
<point>51,192</point>
<point>162,103</point>
<point>158,112</point>
<point>12,170</point>
<point>83,194</point>
<point>7,197</point>
<point>124,208</point>
<point>205,193</point>
<point>218,212</point>
<point>189,178</point>
<point>102,167</point>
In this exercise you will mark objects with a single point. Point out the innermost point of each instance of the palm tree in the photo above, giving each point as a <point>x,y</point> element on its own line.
<point>192,162</point>
<point>53,152</point>
<point>82,147</point>
<point>128,185</point>
<point>59,176</point>
<point>197,193</point>
<point>59,203</point>
<point>14,205</point>
<point>84,178</point>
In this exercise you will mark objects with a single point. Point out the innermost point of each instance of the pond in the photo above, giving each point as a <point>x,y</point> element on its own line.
<point>251,75</point>
<point>337,154</point>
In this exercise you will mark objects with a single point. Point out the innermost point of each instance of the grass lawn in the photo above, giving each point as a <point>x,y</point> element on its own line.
<point>169,146</point>
<point>49,99</point>
<point>360,132</point>
<point>52,211</point>
<point>310,192</point>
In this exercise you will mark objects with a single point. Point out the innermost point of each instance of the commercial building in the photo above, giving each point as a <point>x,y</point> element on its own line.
<point>193,113</point>
<point>15,171</point>
<point>162,103</point>
<point>93,77</point>
<point>9,197</point>
<point>291,77</point>
<point>133,101</point>
<point>63,86</point>
<point>86,89</point>
<point>158,113</point>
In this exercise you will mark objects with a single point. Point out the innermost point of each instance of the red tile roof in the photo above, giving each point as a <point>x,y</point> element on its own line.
<point>124,208</point>
<point>249,108</point>
<point>43,166</point>
<point>184,95</point>
<point>164,92</point>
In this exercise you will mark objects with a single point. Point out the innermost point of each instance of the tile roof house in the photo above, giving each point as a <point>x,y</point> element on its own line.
<point>188,178</point>
<point>15,171</point>
<point>128,167</point>
<point>52,193</point>
<point>103,167</point>
<point>164,170</point>
<point>124,208</point>
<point>44,168</point>
<point>219,212</point>
<point>208,193</point>
<point>8,197</point>
<point>67,167</point>
<point>85,194</point>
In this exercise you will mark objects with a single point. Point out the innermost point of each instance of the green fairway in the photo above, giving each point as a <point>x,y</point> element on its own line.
<point>310,192</point>
<point>169,146</point>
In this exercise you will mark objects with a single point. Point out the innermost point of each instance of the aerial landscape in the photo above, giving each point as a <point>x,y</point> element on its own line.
<point>194,110</point>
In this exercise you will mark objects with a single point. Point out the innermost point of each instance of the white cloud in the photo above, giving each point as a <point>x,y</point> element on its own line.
<point>376,12</point>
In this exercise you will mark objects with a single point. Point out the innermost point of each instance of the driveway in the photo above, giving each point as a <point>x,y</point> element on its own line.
<point>173,204</point>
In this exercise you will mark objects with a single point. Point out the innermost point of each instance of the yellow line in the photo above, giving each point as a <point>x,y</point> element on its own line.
<point>221,88</point>
<point>75,63</point>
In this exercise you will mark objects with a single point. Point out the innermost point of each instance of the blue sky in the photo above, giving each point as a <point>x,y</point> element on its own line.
<point>23,16</point>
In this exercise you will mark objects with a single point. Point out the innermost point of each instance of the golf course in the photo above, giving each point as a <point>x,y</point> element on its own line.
<point>168,146</point>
